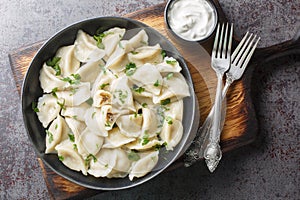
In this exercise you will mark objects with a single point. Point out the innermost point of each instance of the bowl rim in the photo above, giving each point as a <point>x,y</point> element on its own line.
<point>27,121</point>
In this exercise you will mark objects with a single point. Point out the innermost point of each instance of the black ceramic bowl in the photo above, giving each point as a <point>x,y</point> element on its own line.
<point>31,91</point>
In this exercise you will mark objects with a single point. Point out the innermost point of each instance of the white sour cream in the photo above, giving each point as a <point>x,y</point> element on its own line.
<point>192,20</point>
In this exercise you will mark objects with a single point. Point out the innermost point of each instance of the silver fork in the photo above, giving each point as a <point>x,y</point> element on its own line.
<point>220,63</point>
<point>239,60</point>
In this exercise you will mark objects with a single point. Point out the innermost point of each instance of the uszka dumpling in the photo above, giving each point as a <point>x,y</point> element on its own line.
<point>130,125</point>
<point>144,165</point>
<point>146,54</point>
<point>57,132</point>
<point>89,71</point>
<point>49,108</point>
<point>70,157</point>
<point>86,49</point>
<point>68,63</point>
<point>112,39</point>
<point>115,139</point>
<point>169,64</point>
<point>76,112</point>
<point>171,132</point>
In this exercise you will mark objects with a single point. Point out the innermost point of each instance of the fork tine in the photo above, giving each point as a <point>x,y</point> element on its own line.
<point>250,54</point>
<point>225,42</point>
<point>235,52</point>
<point>220,42</point>
<point>216,42</point>
<point>230,41</point>
<point>240,53</point>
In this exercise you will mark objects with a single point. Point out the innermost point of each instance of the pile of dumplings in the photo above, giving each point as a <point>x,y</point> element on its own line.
<point>110,104</point>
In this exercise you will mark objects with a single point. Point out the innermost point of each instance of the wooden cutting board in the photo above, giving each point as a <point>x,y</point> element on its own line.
<point>240,126</point>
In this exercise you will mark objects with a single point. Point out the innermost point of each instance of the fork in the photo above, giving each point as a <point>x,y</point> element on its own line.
<point>239,61</point>
<point>220,63</point>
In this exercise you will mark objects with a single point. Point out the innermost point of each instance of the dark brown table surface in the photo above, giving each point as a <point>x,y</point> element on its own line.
<point>266,169</point>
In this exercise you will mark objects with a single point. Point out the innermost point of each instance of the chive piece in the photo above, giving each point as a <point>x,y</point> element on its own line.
<point>54,90</point>
<point>130,69</point>
<point>134,156</point>
<point>99,38</point>
<point>34,107</point>
<point>50,135</point>
<point>134,52</point>
<point>165,101</point>
<point>75,147</point>
<point>145,139</point>
<point>74,81</point>
<point>62,105</point>
<point>88,159</point>
<point>54,64</point>
<point>89,101</point>
<point>144,105</point>
<point>171,62</point>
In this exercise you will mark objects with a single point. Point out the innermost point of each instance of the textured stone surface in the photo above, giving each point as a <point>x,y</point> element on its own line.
<point>267,169</point>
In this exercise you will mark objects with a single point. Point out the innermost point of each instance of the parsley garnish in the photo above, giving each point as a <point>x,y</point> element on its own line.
<point>134,52</point>
<point>144,105</point>
<point>71,137</point>
<point>133,155</point>
<point>88,159</point>
<point>54,64</point>
<point>145,139</point>
<point>99,38</point>
<point>62,105</point>
<point>165,101</point>
<point>156,84</point>
<point>89,101</point>
<point>169,120</point>
<point>163,53</point>
<point>54,90</point>
<point>170,75</point>
<point>130,69</point>
<point>122,95</point>
<point>102,86</point>
<point>34,107</point>
<point>75,147</point>
<point>74,81</point>
<point>171,62</point>
<point>50,135</point>
<point>61,158</point>
<point>139,89</point>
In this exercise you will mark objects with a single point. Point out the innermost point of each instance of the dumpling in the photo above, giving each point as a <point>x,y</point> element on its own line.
<point>75,94</point>
<point>150,124</point>
<point>68,63</point>
<point>86,49</point>
<point>115,139</point>
<point>76,112</point>
<point>103,81</point>
<point>49,80</point>
<point>122,166</point>
<point>103,164</point>
<point>57,132</point>
<point>149,77</point>
<point>89,71</point>
<point>175,88</point>
<point>144,143</point>
<point>122,101</point>
<point>146,54</point>
<point>49,108</point>
<point>144,165</point>
<point>118,60</point>
<point>175,110</point>
<point>101,98</point>
<point>70,157</point>
<point>89,143</point>
<point>112,39</point>
<point>138,40</point>
<point>171,132</point>
<point>130,125</point>
<point>76,126</point>
<point>169,64</point>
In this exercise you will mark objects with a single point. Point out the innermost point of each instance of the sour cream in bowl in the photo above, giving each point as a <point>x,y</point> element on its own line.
<point>191,20</point>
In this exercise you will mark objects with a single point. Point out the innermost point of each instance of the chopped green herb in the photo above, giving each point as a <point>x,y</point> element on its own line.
<point>74,116</point>
<point>88,159</point>
<point>102,86</point>
<point>144,105</point>
<point>120,45</point>
<point>144,42</point>
<point>139,89</point>
<point>171,62</point>
<point>56,126</point>
<point>73,91</point>
<point>93,114</point>
<point>134,156</point>
<point>71,137</point>
<point>165,101</point>
<point>170,75</point>
<point>34,107</point>
<point>50,136</point>
<point>156,84</point>
<point>54,90</point>
<point>106,165</point>
<point>54,64</point>
<point>99,38</point>
<point>130,69</point>
<point>169,120</point>
<point>74,81</point>
<point>62,105</point>
<point>134,52</point>
<point>122,95</point>
<point>163,53</point>
<point>107,124</point>
<point>75,147</point>
<point>145,139</point>
<point>103,69</point>
<point>89,101</point>
<point>61,158</point>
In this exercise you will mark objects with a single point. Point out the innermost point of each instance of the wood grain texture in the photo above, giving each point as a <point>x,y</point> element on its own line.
<point>240,125</point>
